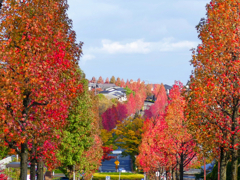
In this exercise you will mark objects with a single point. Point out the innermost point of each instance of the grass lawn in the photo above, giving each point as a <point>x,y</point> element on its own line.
<point>115,175</point>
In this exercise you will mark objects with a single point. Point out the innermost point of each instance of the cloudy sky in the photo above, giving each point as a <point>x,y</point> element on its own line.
<point>131,39</point>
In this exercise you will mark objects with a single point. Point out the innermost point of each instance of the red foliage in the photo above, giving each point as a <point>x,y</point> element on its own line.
<point>118,82</point>
<point>122,111</point>
<point>100,80</point>
<point>2,176</point>
<point>158,108</point>
<point>166,141</point>
<point>107,81</point>
<point>106,152</point>
<point>131,104</point>
<point>135,102</point>
<point>93,80</point>
<point>122,83</point>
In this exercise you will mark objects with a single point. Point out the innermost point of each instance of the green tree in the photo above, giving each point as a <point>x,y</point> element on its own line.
<point>4,150</point>
<point>129,135</point>
<point>112,80</point>
<point>77,136</point>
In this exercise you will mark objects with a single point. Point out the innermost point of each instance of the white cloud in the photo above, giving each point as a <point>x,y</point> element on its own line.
<point>142,47</point>
<point>138,46</point>
<point>86,57</point>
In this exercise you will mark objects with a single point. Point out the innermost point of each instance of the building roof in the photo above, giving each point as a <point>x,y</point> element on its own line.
<point>167,86</point>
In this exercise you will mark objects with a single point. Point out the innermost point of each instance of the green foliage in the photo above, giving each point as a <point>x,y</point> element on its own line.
<point>12,173</point>
<point>4,151</point>
<point>109,138</point>
<point>129,134</point>
<point>112,80</point>
<point>129,91</point>
<point>114,101</point>
<point>105,103</point>
<point>57,171</point>
<point>101,96</point>
<point>77,136</point>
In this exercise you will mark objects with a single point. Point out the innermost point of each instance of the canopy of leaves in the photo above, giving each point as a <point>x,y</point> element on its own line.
<point>77,135</point>
<point>129,91</point>
<point>39,58</point>
<point>129,135</point>
<point>214,89</point>
<point>112,80</point>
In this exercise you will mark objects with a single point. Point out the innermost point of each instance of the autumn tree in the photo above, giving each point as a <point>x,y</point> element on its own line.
<point>129,135</point>
<point>39,58</point>
<point>213,94</point>
<point>100,80</point>
<point>149,90</point>
<point>95,153</point>
<point>106,152</point>
<point>166,141</point>
<point>104,103</point>
<point>107,81</point>
<point>93,80</point>
<point>4,150</point>
<point>122,83</point>
<point>76,136</point>
<point>118,82</point>
<point>182,142</point>
<point>112,80</point>
<point>158,108</point>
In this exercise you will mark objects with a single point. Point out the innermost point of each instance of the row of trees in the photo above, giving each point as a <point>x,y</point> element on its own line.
<point>206,113</point>
<point>136,95</point>
<point>48,117</point>
<point>166,144</point>
<point>213,96</point>
<point>213,93</point>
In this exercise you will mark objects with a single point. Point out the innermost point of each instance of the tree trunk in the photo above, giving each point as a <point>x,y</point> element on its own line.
<point>32,169</point>
<point>23,162</point>
<point>181,167</point>
<point>70,172</point>
<point>234,167</point>
<point>223,165</point>
<point>40,169</point>
<point>173,174</point>
<point>177,172</point>
<point>33,163</point>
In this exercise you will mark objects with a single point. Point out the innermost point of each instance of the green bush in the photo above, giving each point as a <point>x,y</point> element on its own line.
<point>98,176</point>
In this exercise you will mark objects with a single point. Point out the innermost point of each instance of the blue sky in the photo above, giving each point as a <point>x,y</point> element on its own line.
<point>131,39</point>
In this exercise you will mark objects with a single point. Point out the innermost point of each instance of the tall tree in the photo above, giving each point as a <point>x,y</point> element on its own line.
<point>122,83</point>
<point>93,80</point>
<point>129,135</point>
<point>39,58</point>
<point>166,140</point>
<point>77,135</point>
<point>107,81</point>
<point>213,95</point>
<point>182,142</point>
<point>118,82</point>
<point>95,153</point>
<point>100,80</point>
<point>158,108</point>
<point>112,80</point>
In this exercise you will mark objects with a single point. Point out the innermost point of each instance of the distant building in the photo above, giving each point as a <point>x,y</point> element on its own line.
<point>98,85</point>
<point>110,91</point>
<point>115,93</point>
